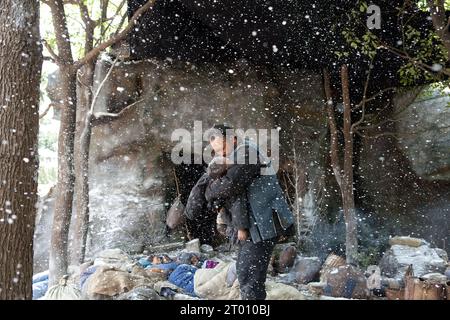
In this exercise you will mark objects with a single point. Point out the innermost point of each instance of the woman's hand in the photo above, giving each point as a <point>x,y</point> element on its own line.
<point>242,234</point>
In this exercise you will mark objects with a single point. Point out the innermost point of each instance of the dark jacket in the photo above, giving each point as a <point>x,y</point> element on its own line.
<point>197,205</point>
<point>266,205</point>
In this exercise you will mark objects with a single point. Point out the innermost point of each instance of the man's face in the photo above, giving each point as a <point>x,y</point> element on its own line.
<point>222,146</point>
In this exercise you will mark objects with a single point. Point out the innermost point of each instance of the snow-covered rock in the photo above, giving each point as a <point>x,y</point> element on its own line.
<point>423,259</point>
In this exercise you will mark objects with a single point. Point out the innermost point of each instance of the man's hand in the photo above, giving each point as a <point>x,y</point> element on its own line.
<point>242,234</point>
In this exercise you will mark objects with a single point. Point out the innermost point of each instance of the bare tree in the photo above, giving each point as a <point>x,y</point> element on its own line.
<point>20,68</point>
<point>66,178</point>
<point>295,183</point>
<point>344,177</point>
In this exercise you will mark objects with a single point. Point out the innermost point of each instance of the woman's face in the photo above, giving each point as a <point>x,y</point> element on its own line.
<point>222,146</point>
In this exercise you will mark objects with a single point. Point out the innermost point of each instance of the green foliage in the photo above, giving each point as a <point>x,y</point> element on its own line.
<point>49,142</point>
<point>47,175</point>
<point>358,42</point>
<point>367,256</point>
<point>423,49</point>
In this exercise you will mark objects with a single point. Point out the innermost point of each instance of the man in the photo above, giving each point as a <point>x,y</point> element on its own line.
<point>268,213</point>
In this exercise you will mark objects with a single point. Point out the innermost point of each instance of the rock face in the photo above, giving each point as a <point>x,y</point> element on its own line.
<point>402,186</point>
<point>425,127</point>
<point>423,259</point>
<point>131,170</point>
<point>131,178</point>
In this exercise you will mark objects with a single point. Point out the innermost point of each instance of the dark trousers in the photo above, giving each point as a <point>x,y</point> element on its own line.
<point>251,267</point>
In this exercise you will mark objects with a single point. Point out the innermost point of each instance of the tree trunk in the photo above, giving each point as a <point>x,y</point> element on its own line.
<point>334,148</point>
<point>20,69</point>
<point>348,202</point>
<point>58,261</point>
<point>82,138</point>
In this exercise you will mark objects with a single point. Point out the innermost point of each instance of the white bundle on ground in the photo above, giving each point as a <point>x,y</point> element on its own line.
<point>63,291</point>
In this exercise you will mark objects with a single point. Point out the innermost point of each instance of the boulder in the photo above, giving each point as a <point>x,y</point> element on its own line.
<point>407,241</point>
<point>435,277</point>
<point>306,269</point>
<point>441,253</point>
<point>286,259</point>
<point>283,257</point>
<point>140,293</point>
<point>346,281</point>
<point>317,288</point>
<point>424,260</point>
<point>333,261</point>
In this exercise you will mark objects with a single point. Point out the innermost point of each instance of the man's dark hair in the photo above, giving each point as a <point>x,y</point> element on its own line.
<point>222,128</point>
<point>219,130</point>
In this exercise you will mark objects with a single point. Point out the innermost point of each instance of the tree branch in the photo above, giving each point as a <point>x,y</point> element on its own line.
<point>94,100</point>
<point>104,10</point>
<point>61,32</point>
<point>46,111</point>
<point>416,62</point>
<point>48,59</point>
<point>379,93</point>
<point>103,117</point>
<point>364,100</point>
<point>111,20</point>
<point>85,14</point>
<point>97,50</point>
<point>52,53</point>
<point>122,21</point>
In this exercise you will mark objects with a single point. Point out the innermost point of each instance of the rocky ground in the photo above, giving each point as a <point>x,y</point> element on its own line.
<point>179,271</point>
